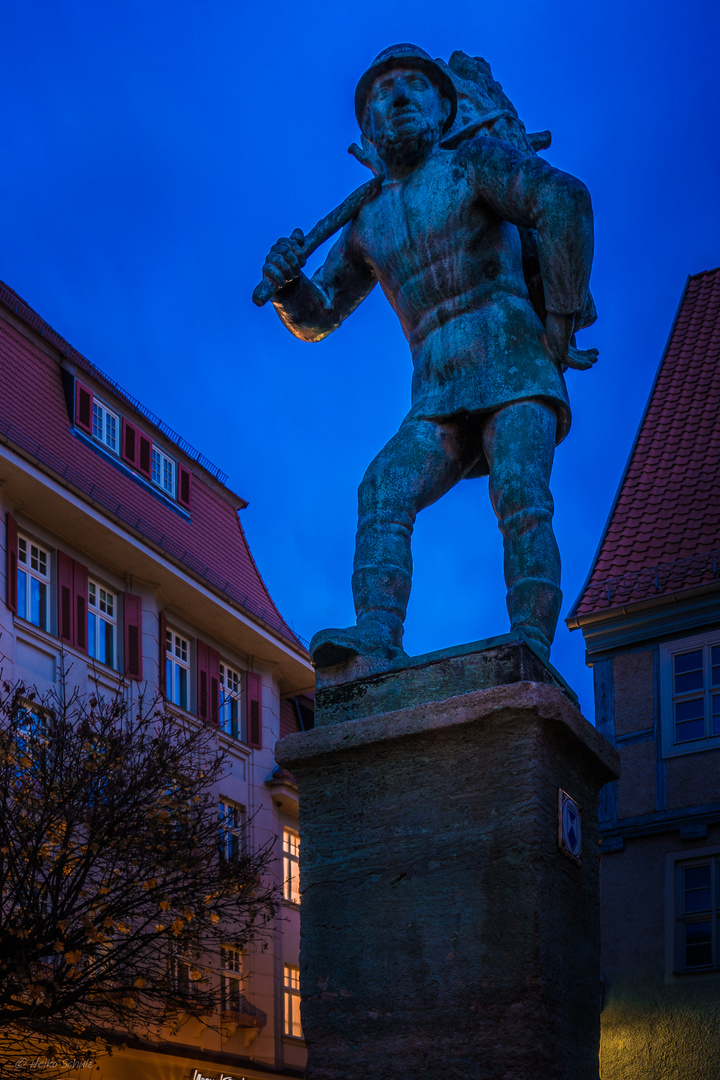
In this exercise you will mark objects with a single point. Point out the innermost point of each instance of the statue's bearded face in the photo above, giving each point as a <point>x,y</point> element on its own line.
<point>405,116</point>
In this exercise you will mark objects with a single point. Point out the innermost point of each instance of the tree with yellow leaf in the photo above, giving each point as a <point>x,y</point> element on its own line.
<point>116,897</point>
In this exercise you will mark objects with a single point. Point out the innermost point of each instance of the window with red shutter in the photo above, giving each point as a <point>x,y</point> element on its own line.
<point>129,446</point>
<point>162,681</point>
<point>11,549</point>
<point>254,710</point>
<point>145,456</point>
<point>132,612</point>
<point>83,407</point>
<point>184,486</point>
<point>208,683</point>
<point>80,594</point>
<point>65,597</point>
<point>72,593</point>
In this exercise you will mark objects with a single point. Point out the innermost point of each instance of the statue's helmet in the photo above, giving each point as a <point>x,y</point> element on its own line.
<point>406,56</point>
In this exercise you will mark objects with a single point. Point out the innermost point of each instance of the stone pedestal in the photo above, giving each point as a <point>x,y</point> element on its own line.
<point>445,934</point>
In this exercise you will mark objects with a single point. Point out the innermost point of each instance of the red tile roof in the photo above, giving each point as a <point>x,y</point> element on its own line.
<point>209,543</point>
<point>663,533</point>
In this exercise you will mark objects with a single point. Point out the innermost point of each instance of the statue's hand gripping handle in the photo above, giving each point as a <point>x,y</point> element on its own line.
<point>324,229</point>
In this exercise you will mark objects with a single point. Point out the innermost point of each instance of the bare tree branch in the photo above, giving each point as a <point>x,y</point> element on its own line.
<point>116,898</point>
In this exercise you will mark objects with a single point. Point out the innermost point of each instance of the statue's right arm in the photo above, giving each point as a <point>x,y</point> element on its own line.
<point>312,308</point>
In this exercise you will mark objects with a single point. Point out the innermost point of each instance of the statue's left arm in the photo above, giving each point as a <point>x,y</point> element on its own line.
<point>312,308</point>
<point>526,191</point>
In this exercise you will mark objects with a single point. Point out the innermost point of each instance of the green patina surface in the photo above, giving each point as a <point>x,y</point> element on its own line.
<point>484,251</point>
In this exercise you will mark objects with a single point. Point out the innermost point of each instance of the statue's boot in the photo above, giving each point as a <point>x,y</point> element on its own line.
<point>534,607</point>
<point>381,595</point>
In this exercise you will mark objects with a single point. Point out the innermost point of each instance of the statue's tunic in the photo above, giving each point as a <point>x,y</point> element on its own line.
<point>444,246</point>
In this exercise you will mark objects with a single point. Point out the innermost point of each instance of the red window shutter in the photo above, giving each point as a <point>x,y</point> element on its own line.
<point>144,464</point>
<point>80,602</point>
<point>11,552</point>
<point>129,446</point>
<point>83,407</point>
<point>215,695</point>
<point>184,486</point>
<point>132,612</point>
<point>253,684</point>
<point>208,683</point>
<point>288,718</point>
<point>162,681</point>
<point>65,597</point>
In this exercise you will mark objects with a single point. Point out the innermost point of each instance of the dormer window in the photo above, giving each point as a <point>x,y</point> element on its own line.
<point>132,445</point>
<point>163,471</point>
<point>105,426</point>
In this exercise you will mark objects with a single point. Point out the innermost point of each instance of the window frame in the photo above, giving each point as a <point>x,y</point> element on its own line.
<point>292,1013</point>
<point>44,579</point>
<point>667,652</point>
<point>99,404</point>
<point>231,975</point>
<point>102,617</point>
<point>231,838</point>
<point>179,966</point>
<point>291,866</point>
<point>163,461</point>
<point>180,661</point>
<point>231,701</point>
<point>676,918</point>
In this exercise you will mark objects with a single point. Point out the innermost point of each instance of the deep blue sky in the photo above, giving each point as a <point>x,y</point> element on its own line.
<point>153,151</point>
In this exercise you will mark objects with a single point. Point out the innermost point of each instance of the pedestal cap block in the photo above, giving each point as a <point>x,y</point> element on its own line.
<point>349,692</point>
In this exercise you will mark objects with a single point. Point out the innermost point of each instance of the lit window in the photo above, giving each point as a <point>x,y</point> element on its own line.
<point>697,914</point>
<point>230,827</point>
<point>291,866</point>
<point>33,582</point>
<point>230,700</point>
<point>293,1025</point>
<point>177,668</point>
<point>691,694</point>
<point>102,623</point>
<point>105,426</point>
<point>231,998</point>
<point>163,471</point>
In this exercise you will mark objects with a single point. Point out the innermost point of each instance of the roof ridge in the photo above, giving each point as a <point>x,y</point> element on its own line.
<point>28,314</point>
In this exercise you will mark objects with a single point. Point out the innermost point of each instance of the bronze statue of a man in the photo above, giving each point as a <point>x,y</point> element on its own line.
<point>442,238</point>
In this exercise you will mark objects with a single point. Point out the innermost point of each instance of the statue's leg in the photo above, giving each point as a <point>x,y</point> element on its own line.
<point>519,442</point>
<point>417,467</point>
